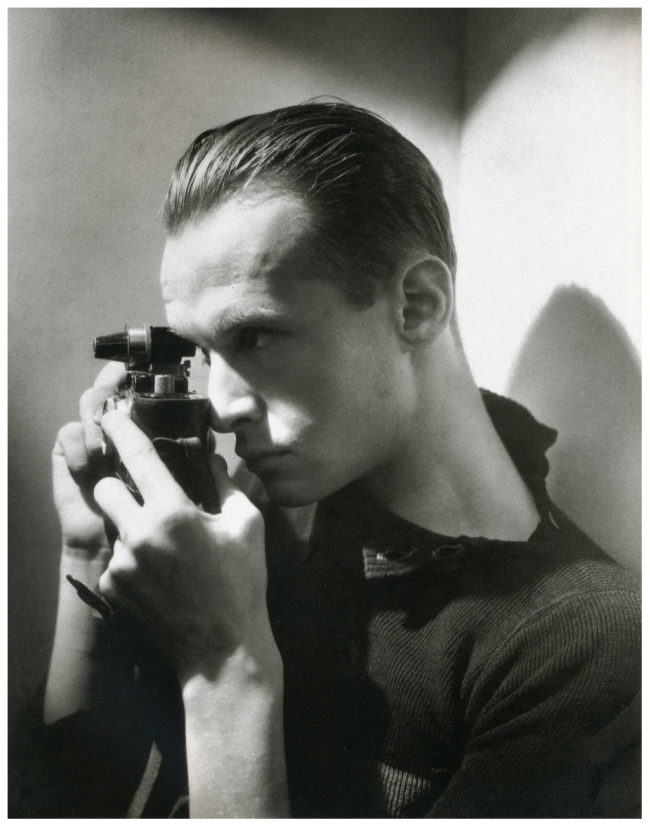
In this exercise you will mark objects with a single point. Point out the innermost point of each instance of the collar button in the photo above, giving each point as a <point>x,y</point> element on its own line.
<point>446,551</point>
<point>397,552</point>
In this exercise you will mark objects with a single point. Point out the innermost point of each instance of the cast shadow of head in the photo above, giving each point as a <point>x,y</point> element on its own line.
<point>578,372</point>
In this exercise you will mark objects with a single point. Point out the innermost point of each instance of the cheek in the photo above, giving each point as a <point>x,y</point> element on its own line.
<point>363,404</point>
<point>394,389</point>
<point>305,409</point>
<point>383,404</point>
<point>357,395</point>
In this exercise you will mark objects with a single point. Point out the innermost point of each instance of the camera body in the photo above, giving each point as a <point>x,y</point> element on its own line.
<point>155,396</point>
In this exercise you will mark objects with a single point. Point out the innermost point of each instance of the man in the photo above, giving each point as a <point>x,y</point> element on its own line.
<point>443,640</point>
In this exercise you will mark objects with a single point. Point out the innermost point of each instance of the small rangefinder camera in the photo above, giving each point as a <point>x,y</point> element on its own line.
<point>155,396</point>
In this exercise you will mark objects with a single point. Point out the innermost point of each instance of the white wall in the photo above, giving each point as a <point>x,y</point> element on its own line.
<point>550,174</point>
<point>549,244</point>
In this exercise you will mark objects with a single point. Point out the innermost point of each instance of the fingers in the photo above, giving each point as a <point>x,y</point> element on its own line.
<point>117,503</point>
<point>109,377</point>
<point>71,471</point>
<point>88,409</point>
<point>115,583</point>
<point>70,450</point>
<point>91,405</point>
<point>71,446</point>
<point>149,472</point>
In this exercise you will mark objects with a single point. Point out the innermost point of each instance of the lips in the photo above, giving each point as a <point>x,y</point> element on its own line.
<point>251,457</point>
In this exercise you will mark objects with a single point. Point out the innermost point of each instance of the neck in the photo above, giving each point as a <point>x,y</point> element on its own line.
<point>451,473</point>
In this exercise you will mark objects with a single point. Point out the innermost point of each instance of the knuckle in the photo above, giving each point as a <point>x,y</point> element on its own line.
<point>102,489</point>
<point>78,467</point>
<point>91,407</point>
<point>70,431</point>
<point>176,519</point>
<point>109,376</point>
<point>122,567</point>
<point>70,445</point>
<point>106,586</point>
<point>136,538</point>
<point>69,434</point>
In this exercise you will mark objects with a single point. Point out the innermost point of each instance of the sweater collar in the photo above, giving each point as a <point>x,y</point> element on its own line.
<point>393,547</point>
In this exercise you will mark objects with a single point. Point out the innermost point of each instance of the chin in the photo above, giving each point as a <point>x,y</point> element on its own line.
<point>287,497</point>
<point>294,493</point>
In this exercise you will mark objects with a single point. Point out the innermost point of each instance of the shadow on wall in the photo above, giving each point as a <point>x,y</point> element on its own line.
<point>493,37</point>
<point>578,372</point>
<point>389,46</point>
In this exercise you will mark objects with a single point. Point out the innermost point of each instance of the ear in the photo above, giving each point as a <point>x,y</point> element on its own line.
<point>427,299</point>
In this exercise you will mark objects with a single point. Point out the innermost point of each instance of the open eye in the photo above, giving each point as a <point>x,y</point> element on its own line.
<point>248,339</point>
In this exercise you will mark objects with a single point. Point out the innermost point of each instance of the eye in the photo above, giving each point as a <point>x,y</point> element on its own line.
<point>256,338</point>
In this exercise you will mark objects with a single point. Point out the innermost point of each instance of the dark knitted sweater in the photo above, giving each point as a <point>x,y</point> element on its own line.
<point>425,675</point>
<point>458,677</point>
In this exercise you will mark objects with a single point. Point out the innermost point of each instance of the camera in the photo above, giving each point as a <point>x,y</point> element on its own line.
<point>155,396</point>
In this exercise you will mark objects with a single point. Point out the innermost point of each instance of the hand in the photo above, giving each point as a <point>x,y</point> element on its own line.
<point>77,464</point>
<point>192,584</point>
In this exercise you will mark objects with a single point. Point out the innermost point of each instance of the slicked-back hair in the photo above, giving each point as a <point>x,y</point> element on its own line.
<point>372,195</point>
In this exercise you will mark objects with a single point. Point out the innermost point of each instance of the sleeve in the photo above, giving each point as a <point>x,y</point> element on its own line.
<point>97,763</point>
<point>552,721</point>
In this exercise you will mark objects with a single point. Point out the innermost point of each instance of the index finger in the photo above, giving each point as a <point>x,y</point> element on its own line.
<point>148,471</point>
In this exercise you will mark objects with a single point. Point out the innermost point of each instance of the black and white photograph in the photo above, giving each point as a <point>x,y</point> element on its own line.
<point>324,412</point>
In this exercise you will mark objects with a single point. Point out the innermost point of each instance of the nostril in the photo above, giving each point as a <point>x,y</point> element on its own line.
<point>239,423</point>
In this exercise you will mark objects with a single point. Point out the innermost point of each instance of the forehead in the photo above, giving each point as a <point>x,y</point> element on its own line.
<point>241,240</point>
<point>244,253</point>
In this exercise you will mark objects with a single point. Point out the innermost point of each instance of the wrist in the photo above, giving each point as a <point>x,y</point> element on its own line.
<point>234,674</point>
<point>235,741</point>
<point>82,566</point>
<point>68,680</point>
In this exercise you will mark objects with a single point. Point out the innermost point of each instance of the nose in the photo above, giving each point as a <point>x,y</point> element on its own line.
<point>234,402</point>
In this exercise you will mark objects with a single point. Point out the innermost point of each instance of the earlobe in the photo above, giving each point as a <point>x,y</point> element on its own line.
<point>427,296</point>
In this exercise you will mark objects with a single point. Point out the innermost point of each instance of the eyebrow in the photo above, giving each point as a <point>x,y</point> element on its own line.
<point>235,319</point>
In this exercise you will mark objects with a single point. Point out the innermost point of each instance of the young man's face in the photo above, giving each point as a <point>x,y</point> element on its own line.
<point>316,391</point>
